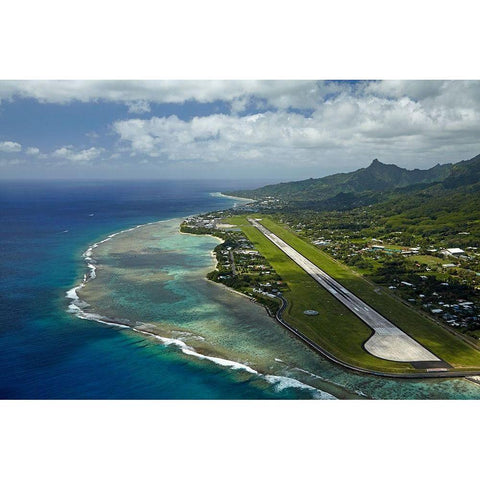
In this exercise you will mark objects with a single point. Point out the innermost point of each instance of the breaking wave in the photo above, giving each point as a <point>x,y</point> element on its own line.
<point>77,305</point>
<point>281,383</point>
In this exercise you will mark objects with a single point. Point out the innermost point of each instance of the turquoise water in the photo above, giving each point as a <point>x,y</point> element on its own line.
<point>152,279</point>
<point>48,353</point>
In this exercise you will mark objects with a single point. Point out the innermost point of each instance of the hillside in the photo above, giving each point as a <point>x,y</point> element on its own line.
<point>464,173</point>
<point>439,212</point>
<point>399,235</point>
<point>343,188</point>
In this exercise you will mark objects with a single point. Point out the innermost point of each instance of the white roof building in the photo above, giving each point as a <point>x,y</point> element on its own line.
<point>454,251</point>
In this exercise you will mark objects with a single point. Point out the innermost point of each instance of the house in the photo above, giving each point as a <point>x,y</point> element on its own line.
<point>453,251</point>
<point>321,242</point>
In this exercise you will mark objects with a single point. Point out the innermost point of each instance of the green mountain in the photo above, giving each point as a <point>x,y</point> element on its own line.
<point>444,212</point>
<point>464,173</point>
<point>343,188</point>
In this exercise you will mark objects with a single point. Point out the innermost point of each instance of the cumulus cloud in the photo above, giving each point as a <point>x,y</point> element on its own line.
<point>138,94</point>
<point>10,147</point>
<point>358,124</point>
<point>138,106</point>
<point>32,151</point>
<point>77,156</point>
<point>318,125</point>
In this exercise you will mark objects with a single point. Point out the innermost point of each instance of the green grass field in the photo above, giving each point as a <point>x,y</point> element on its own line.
<point>336,328</point>
<point>428,260</point>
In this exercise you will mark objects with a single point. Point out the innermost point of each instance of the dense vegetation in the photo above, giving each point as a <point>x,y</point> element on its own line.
<point>246,271</point>
<point>383,232</point>
<point>440,213</point>
<point>336,328</point>
<point>381,184</point>
<point>345,189</point>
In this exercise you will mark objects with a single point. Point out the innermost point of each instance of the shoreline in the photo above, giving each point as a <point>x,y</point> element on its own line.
<point>76,305</point>
<point>324,353</point>
<point>201,352</point>
<point>221,285</point>
<point>220,194</point>
<point>212,253</point>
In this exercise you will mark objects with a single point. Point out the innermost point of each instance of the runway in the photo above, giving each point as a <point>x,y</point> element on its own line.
<point>388,341</point>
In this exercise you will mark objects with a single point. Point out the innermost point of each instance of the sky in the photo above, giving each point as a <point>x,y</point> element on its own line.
<point>277,130</point>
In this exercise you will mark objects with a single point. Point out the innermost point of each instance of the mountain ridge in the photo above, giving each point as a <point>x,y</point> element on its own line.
<point>377,177</point>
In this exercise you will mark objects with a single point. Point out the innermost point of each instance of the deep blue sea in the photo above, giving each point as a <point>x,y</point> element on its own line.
<point>48,353</point>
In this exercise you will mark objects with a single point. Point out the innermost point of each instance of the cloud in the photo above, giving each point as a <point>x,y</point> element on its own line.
<point>77,156</point>
<point>416,90</point>
<point>32,151</point>
<point>10,147</point>
<point>138,106</point>
<point>280,94</point>
<point>354,126</point>
<point>138,94</point>
<point>297,126</point>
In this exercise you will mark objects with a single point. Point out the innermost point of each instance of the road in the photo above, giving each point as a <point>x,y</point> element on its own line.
<point>232,262</point>
<point>388,341</point>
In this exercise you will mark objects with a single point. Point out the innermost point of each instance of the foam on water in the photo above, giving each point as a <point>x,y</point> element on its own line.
<point>77,303</point>
<point>281,383</point>
<point>314,375</point>
<point>188,350</point>
<point>75,307</point>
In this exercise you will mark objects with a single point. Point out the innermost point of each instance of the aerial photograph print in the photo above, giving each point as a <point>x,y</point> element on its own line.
<point>240,239</point>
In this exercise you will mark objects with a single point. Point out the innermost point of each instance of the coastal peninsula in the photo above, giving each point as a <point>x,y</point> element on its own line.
<point>248,262</point>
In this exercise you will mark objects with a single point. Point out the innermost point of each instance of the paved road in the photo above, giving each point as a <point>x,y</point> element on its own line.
<point>388,341</point>
<point>232,263</point>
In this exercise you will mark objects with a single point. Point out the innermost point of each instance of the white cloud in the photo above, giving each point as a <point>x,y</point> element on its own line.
<point>32,151</point>
<point>411,123</point>
<point>138,106</point>
<point>10,147</point>
<point>137,94</point>
<point>77,156</point>
<point>417,90</point>
<point>347,129</point>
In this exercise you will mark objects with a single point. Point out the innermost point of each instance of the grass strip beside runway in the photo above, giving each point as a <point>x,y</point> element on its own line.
<point>441,342</point>
<point>336,328</point>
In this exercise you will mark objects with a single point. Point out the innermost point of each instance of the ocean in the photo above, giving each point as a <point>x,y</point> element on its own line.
<point>146,324</point>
